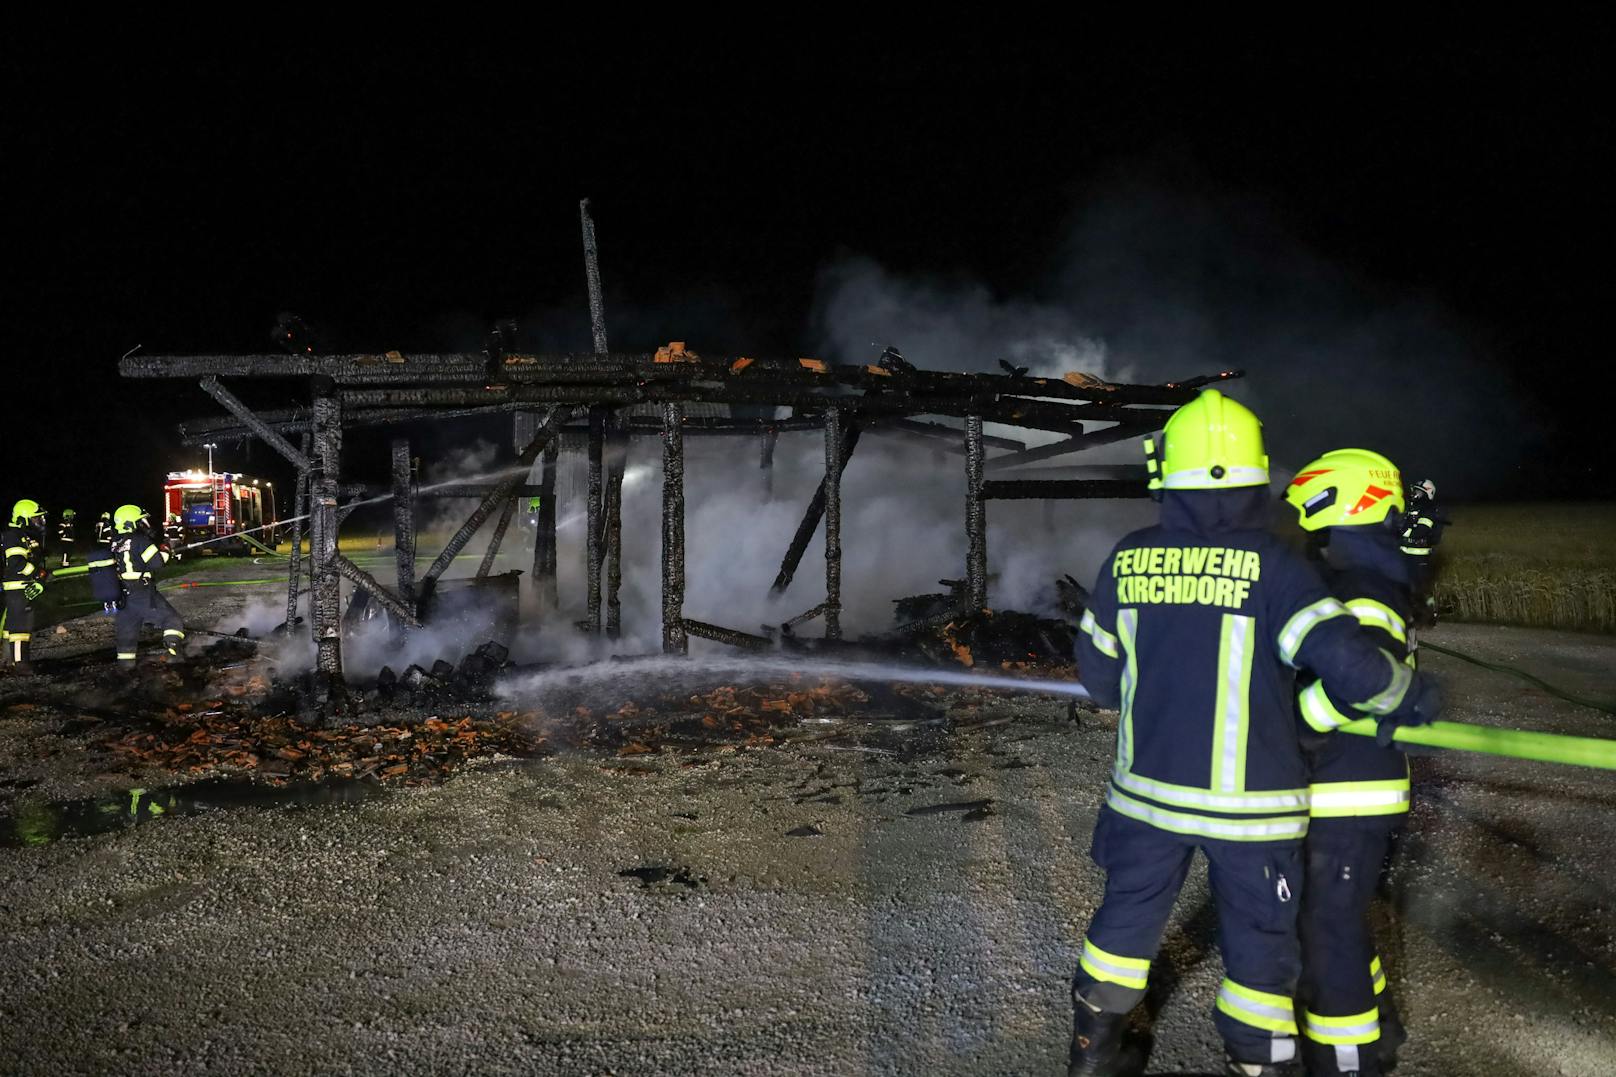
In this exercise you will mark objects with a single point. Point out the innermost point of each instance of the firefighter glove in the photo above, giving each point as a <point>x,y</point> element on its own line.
<point>33,590</point>
<point>1422,705</point>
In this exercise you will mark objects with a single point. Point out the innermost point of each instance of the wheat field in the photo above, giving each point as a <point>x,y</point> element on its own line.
<point>1548,565</point>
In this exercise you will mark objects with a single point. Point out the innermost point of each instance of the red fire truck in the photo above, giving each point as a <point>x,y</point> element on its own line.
<point>219,505</point>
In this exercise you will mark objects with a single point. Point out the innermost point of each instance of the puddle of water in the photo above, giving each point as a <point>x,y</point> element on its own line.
<point>42,822</point>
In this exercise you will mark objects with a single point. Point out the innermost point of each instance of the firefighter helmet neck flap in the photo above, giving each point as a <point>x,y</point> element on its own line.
<point>1211,443</point>
<point>127,518</point>
<point>1346,488</point>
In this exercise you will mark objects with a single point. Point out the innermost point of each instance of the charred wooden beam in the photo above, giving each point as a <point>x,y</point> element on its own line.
<point>213,387</point>
<point>949,435</point>
<point>594,519</point>
<point>673,529</point>
<point>544,541</point>
<point>391,602</point>
<point>326,601</point>
<point>810,518</point>
<point>976,521</point>
<point>496,538</point>
<point>472,369</point>
<point>766,462</point>
<point>614,546</point>
<point>1026,489</point>
<point>404,519</point>
<point>597,305</point>
<point>300,510</point>
<point>485,508</point>
<point>804,617</point>
<point>1120,432</point>
<point>832,485</point>
<point>731,636</point>
<point>478,490</point>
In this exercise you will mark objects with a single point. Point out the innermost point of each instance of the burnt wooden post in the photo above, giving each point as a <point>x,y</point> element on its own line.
<point>766,462</point>
<point>544,542</point>
<point>326,602</point>
<point>614,541</point>
<point>976,519</point>
<point>404,519</point>
<point>594,523</point>
<point>810,518</point>
<point>673,529</point>
<point>498,536</point>
<point>833,523</point>
<point>300,509</point>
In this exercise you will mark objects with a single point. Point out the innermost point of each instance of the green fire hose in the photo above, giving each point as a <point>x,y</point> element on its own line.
<point>1514,743</point>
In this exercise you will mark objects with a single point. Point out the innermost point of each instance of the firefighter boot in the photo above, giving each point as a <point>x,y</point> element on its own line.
<point>1097,1048</point>
<point>17,652</point>
<point>1392,1034</point>
<point>1232,1068</point>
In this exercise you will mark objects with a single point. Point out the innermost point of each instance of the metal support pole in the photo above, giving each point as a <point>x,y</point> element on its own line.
<point>673,529</point>
<point>833,523</point>
<point>544,543</point>
<point>594,518</point>
<point>300,509</point>
<point>326,602</point>
<point>976,519</point>
<point>404,519</point>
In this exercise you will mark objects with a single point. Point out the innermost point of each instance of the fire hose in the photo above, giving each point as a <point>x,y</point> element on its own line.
<point>1513,743</point>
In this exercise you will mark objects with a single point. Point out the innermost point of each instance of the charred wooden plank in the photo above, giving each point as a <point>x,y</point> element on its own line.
<point>1024,489</point>
<point>731,636</point>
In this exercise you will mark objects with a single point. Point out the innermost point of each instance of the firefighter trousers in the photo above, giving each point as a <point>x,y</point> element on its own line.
<point>1346,1010</point>
<point>19,631</point>
<point>143,604</point>
<point>1256,888</point>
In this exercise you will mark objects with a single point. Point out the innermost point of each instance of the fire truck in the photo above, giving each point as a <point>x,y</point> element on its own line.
<point>220,505</point>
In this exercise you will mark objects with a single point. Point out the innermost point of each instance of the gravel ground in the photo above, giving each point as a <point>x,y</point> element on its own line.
<point>798,917</point>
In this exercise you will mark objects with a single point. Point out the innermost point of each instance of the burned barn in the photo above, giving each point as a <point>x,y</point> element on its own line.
<point>607,405</point>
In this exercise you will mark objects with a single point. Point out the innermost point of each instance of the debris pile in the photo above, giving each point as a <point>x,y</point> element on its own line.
<point>987,639</point>
<point>280,749</point>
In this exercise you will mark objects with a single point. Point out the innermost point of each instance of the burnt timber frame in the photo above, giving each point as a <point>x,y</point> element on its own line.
<point>588,394</point>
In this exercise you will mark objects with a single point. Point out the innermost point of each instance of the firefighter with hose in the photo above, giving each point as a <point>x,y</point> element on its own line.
<point>1352,501</point>
<point>1195,628</point>
<point>23,580</point>
<point>138,556</point>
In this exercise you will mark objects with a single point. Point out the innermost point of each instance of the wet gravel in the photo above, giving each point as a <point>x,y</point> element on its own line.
<point>847,907</point>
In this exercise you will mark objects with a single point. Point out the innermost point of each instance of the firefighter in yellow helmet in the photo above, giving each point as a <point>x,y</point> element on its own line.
<point>1351,500</point>
<point>138,557</point>
<point>23,580</point>
<point>1194,630</point>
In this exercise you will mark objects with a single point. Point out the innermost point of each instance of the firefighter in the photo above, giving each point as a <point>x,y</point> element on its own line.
<point>23,580</point>
<point>1193,631</point>
<point>102,568</point>
<point>1358,789</point>
<point>64,534</point>
<point>174,536</point>
<point>138,557</point>
<point>1422,525</point>
<point>103,529</point>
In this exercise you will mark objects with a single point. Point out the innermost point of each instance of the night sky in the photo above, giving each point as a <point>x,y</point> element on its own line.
<point>397,203</point>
